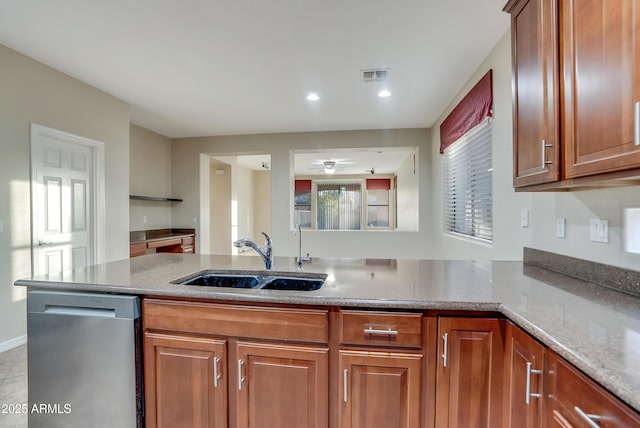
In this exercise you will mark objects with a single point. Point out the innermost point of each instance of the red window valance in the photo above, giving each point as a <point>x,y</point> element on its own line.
<point>473,109</point>
<point>378,183</point>
<point>303,185</point>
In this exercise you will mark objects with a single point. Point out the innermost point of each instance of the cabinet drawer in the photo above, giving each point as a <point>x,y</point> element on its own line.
<point>139,249</point>
<point>165,243</point>
<point>576,393</point>
<point>381,329</point>
<point>187,241</point>
<point>287,324</point>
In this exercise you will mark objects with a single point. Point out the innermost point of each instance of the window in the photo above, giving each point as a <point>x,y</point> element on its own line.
<point>378,202</point>
<point>468,199</point>
<point>302,203</point>
<point>338,205</point>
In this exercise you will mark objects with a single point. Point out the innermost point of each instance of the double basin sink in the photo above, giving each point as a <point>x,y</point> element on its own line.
<point>264,280</point>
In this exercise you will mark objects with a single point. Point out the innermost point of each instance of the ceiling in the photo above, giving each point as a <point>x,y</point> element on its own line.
<point>222,67</point>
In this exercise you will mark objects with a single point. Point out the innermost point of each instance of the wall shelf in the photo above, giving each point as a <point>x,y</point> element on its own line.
<point>153,198</point>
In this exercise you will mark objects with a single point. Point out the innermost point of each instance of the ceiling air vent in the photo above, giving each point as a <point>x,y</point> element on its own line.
<point>374,75</point>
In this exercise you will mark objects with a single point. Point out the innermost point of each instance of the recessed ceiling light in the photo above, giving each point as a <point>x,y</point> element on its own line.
<point>313,97</point>
<point>384,93</point>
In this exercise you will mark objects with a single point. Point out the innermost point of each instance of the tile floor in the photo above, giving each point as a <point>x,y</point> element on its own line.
<point>13,387</point>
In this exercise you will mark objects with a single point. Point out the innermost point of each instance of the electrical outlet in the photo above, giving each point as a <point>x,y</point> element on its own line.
<point>524,217</point>
<point>144,219</point>
<point>561,228</point>
<point>194,219</point>
<point>599,230</point>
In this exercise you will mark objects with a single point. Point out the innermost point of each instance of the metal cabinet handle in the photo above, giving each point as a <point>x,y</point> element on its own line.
<point>344,384</point>
<point>445,339</point>
<point>216,372</point>
<point>43,243</point>
<point>636,133</point>
<point>528,393</point>
<point>240,377</point>
<point>589,419</point>
<point>545,162</point>
<point>388,332</point>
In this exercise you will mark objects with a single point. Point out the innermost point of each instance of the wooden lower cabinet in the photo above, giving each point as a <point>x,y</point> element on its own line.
<point>524,391</point>
<point>185,381</point>
<point>470,372</point>
<point>281,386</point>
<point>380,389</point>
<point>575,401</point>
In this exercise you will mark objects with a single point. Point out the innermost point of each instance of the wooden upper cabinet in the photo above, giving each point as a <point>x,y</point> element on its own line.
<point>470,372</point>
<point>601,84</point>
<point>525,398</point>
<point>534,45</point>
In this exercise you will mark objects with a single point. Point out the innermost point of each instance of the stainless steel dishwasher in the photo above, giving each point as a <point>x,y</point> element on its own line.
<point>83,360</point>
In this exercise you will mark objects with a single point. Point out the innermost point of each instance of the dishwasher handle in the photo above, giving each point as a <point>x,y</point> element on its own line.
<point>83,304</point>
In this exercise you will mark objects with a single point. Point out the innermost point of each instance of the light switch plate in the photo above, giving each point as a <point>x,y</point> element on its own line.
<point>599,230</point>
<point>524,217</point>
<point>561,228</point>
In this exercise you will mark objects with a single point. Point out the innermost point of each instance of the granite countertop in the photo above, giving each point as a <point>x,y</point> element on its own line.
<point>595,328</point>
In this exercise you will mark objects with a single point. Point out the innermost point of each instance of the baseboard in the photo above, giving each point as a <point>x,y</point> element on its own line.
<point>13,343</point>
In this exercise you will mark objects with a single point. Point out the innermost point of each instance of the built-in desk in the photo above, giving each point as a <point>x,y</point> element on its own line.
<point>162,241</point>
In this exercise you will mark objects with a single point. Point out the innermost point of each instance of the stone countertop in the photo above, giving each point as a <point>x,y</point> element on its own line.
<point>595,328</point>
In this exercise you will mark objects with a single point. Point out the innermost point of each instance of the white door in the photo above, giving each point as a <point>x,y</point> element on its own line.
<point>63,169</point>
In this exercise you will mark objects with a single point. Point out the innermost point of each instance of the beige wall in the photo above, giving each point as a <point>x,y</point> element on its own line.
<point>220,208</point>
<point>32,92</point>
<point>576,206</point>
<point>149,175</point>
<point>410,244</point>
<point>261,204</point>
<point>407,194</point>
<point>244,197</point>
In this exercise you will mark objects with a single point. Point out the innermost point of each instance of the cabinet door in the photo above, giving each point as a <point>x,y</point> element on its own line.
<point>601,75</point>
<point>525,363</point>
<point>380,389</point>
<point>535,91</point>
<point>185,381</point>
<point>470,372</point>
<point>281,386</point>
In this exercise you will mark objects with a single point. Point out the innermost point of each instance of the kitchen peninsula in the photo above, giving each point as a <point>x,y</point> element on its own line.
<point>406,328</point>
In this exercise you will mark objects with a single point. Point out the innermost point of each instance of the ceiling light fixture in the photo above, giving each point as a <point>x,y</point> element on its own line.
<point>313,97</point>
<point>384,93</point>
<point>329,167</point>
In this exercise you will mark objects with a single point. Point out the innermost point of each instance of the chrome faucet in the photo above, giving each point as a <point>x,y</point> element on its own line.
<point>266,252</point>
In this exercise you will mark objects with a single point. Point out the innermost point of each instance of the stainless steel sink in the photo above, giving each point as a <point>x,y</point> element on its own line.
<point>267,280</point>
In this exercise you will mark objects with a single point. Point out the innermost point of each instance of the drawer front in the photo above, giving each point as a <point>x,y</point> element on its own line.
<point>139,249</point>
<point>299,325</point>
<point>188,240</point>
<point>381,329</point>
<point>576,394</point>
<point>165,243</point>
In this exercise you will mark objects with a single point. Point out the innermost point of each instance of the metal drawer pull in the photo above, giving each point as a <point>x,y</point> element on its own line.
<point>528,393</point>
<point>216,375</point>
<point>445,339</point>
<point>388,332</point>
<point>636,134</point>
<point>240,377</point>
<point>545,162</point>
<point>344,384</point>
<point>589,419</point>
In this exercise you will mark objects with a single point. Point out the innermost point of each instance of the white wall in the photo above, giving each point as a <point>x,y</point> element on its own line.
<point>576,206</point>
<point>391,244</point>
<point>32,92</point>
<point>407,194</point>
<point>149,175</point>
<point>245,197</point>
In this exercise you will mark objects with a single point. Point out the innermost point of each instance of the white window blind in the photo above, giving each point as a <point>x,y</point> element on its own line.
<point>338,205</point>
<point>468,194</point>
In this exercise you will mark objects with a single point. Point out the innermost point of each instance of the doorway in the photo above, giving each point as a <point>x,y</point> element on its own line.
<point>67,201</point>
<point>240,200</point>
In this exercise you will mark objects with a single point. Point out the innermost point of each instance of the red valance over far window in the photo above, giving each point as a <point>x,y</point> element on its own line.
<point>303,185</point>
<point>378,183</point>
<point>473,109</point>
